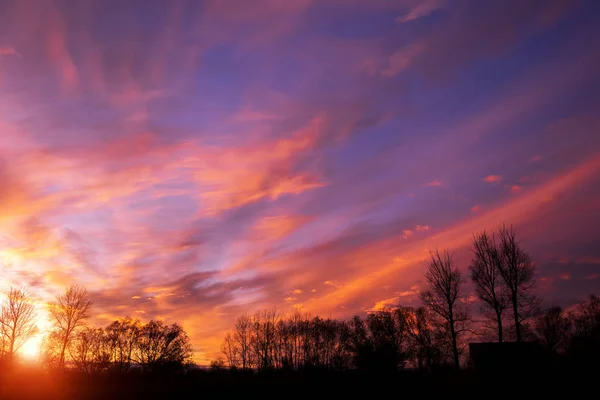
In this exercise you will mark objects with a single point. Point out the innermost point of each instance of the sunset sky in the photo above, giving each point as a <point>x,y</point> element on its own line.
<point>194,160</point>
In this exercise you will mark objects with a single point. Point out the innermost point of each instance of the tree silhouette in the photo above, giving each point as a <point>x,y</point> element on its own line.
<point>242,339</point>
<point>553,328</point>
<point>486,276</point>
<point>91,351</point>
<point>123,335</point>
<point>444,298</point>
<point>18,319</point>
<point>159,345</point>
<point>586,317</point>
<point>69,312</point>
<point>263,341</point>
<point>424,344</point>
<point>518,274</point>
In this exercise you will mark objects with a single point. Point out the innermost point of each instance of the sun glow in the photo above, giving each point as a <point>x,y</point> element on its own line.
<point>31,350</point>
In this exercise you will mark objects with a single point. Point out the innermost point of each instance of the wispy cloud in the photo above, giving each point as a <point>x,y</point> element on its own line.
<point>421,9</point>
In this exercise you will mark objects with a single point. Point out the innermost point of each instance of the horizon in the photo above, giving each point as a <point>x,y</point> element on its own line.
<point>191,161</point>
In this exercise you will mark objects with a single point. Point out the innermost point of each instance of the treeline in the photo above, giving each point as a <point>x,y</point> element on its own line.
<point>434,335</point>
<point>71,343</point>
<point>387,340</point>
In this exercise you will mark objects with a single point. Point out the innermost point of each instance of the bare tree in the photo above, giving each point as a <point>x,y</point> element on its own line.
<point>122,336</point>
<point>159,345</point>
<point>586,317</point>
<point>69,312</point>
<point>91,351</point>
<point>489,286</point>
<point>444,298</point>
<point>264,324</point>
<point>553,328</point>
<point>518,274</point>
<point>423,344</point>
<point>18,320</point>
<point>243,340</point>
<point>228,348</point>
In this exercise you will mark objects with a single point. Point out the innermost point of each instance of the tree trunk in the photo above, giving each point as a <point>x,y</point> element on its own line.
<point>454,345</point>
<point>516,315</point>
<point>61,361</point>
<point>499,322</point>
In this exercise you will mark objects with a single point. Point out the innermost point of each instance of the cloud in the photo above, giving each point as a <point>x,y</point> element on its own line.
<point>516,188</point>
<point>493,178</point>
<point>434,183</point>
<point>402,59</point>
<point>565,277</point>
<point>536,158</point>
<point>421,9</point>
<point>57,47</point>
<point>7,51</point>
<point>516,211</point>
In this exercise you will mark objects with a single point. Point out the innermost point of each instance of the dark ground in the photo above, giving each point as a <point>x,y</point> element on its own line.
<point>35,384</point>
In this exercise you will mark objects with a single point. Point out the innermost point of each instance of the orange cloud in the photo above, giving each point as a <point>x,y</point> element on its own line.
<point>275,228</point>
<point>366,281</point>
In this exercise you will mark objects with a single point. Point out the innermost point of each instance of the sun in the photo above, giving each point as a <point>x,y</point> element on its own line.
<point>30,351</point>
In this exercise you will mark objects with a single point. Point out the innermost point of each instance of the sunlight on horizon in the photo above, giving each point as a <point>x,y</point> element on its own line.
<point>32,349</point>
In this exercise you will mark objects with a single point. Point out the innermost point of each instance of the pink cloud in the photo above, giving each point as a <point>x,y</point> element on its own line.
<point>434,183</point>
<point>518,210</point>
<point>421,9</point>
<point>57,47</point>
<point>536,158</point>
<point>516,188</point>
<point>402,59</point>
<point>493,178</point>
<point>7,50</point>
<point>566,276</point>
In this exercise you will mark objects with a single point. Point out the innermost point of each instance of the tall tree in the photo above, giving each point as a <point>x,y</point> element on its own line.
<point>229,350</point>
<point>518,273</point>
<point>69,312</point>
<point>444,298</point>
<point>243,340</point>
<point>18,319</point>
<point>485,273</point>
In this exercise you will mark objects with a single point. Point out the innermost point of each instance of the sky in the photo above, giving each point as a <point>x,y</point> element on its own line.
<point>195,160</point>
